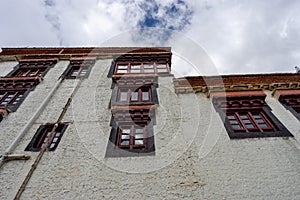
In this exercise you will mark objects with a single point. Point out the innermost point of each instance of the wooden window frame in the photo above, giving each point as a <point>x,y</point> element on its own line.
<point>132,136</point>
<point>240,105</point>
<point>291,103</point>
<point>25,68</point>
<point>130,98</point>
<point>80,65</point>
<point>15,101</point>
<point>131,119</point>
<point>129,60</point>
<point>18,86</point>
<point>41,135</point>
<point>15,97</point>
<point>247,122</point>
<point>127,68</point>
<point>117,99</point>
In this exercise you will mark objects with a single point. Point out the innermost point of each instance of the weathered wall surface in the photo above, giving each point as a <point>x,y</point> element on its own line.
<point>194,158</point>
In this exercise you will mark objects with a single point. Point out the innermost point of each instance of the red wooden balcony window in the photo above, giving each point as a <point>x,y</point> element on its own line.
<point>135,68</point>
<point>142,94</point>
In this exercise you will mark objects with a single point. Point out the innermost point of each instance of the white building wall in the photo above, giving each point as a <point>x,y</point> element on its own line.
<point>194,157</point>
<point>7,67</point>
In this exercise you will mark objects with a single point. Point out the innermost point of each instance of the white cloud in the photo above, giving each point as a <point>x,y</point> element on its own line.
<point>239,36</point>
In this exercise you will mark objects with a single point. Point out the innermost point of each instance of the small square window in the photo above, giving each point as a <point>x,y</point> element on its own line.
<point>42,136</point>
<point>79,68</point>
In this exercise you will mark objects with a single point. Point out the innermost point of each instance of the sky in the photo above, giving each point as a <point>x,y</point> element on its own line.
<point>207,36</point>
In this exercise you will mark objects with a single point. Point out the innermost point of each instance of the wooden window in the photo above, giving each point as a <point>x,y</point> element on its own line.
<point>10,98</point>
<point>250,121</point>
<point>79,68</point>
<point>139,90</point>
<point>132,136</point>
<point>141,94</point>
<point>43,134</point>
<point>292,103</point>
<point>141,68</point>
<point>32,68</point>
<point>131,133</point>
<point>248,116</point>
<point>14,90</point>
<point>157,64</point>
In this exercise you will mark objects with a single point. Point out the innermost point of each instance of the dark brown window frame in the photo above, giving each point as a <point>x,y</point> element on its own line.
<point>143,68</point>
<point>117,99</point>
<point>250,105</point>
<point>132,136</point>
<point>250,120</point>
<point>291,103</point>
<point>41,134</point>
<point>81,65</point>
<point>25,68</point>
<point>133,94</point>
<point>14,98</point>
<point>159,63</point>
<point>19,86</point>
<point>141,119</point>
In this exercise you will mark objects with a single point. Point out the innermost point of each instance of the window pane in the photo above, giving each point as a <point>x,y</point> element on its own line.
<point>236,126</point>
<point>231,117</point>
<point>145,95</point>
<point>243,116</point>
<point>256,116</point>
<point>139,142</point>
<point>134,96</point>
<point>123,96</point>
<point>122,66</point>
<point>139,130</point>
<point>263,125</point>
<point>125,142</point>
<point>233,122</point>
<point>162,70</point>
<point>75,73</point>
<point>122,71</point>
<point>259,121</point>
<point>126,131</point>
<point>161,66</point>
<point>246,121</point>
<point>125,137</point>
<point>135,67</point>
<point>148,70</point>
<point>249,126</point>
<point>148,66</point>
<point>139,136</point>
<point>135,71</point>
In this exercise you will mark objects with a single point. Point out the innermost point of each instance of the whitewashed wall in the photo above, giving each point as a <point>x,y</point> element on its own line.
<point>194,158</point>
